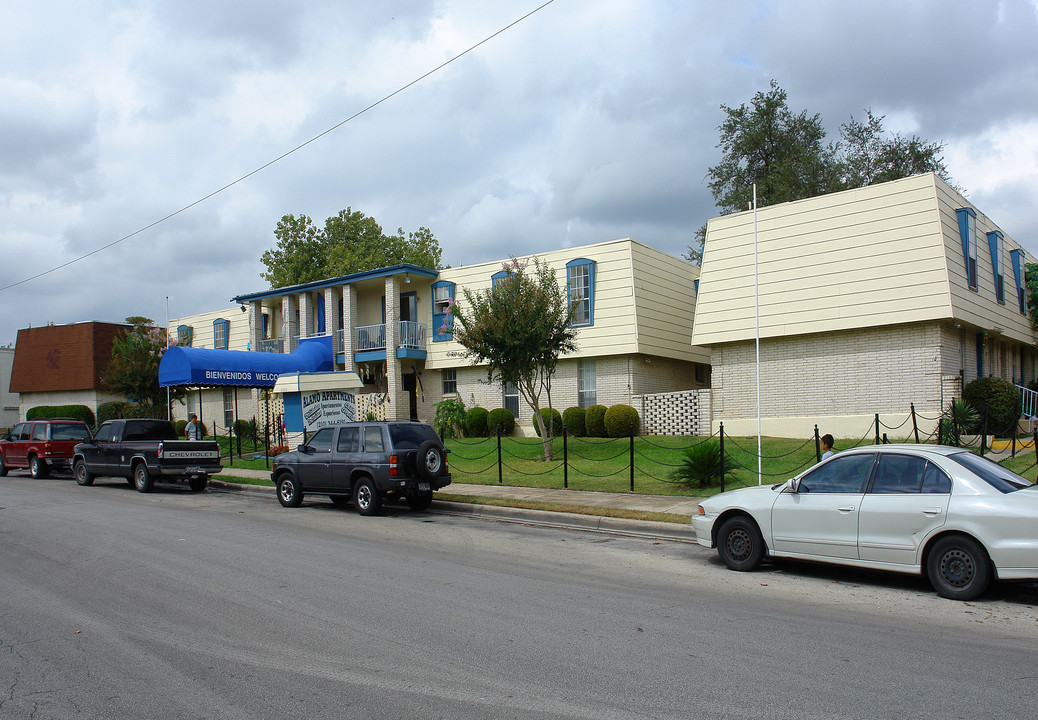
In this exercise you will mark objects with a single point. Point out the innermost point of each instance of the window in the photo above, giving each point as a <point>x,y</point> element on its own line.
<point>580,282</point>
<point>373,439</point>
<point>498,277</point>
<point>192,403</point>
<point>322,440</point>
<point>586,395</point>
<point>996,243</point>
<point>228,407</point>
<point>842,474</point>
<point>105,433</point>
<point>511,398</point>
<point>968,233</point>
<point>185,334</point>
<point>998,477</point>
<point>221,329</point>
<point>443,321</point>
<point>349,440</point>
<point>1017,256</point>
<point>450,381</point>
<point>39,431</point>
<point>905,474</point>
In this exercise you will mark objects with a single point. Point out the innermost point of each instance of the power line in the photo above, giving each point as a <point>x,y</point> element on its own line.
<point>297,148</point>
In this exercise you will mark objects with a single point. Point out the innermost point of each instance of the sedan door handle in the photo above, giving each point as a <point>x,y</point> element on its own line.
<point>932,511</point>
<point>846,508</point>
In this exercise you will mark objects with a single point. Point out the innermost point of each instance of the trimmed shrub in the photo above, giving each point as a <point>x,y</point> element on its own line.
<point>618,421</point>
<point>476,422</point>
<point>502,417</point>
<point>179,426</point>
<point>244,428</point>
<point>996,398</point>
<point>594,421</point>
<point>573,419</point>
<point>133,410</point>
<point>553,416</point>
<point>74,412</point>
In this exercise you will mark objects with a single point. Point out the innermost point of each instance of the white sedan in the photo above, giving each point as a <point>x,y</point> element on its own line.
<point>961,518</point>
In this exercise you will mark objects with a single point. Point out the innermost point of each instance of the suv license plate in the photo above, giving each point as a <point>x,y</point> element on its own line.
<point>423,487</point>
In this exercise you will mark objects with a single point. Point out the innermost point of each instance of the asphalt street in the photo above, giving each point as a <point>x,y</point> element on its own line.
<point>223,605</point>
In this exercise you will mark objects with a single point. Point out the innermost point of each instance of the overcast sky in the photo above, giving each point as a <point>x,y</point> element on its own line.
<point>590,120</point>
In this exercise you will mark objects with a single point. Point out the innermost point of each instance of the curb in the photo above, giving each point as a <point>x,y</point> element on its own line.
<point>673,532</point>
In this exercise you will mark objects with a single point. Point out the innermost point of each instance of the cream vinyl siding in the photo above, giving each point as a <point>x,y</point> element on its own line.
<point>874,256</point>
<point>237,333</point>
<point>637,290</point>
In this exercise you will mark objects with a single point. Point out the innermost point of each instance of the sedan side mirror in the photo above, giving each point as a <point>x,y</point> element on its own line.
<point>792,485</point>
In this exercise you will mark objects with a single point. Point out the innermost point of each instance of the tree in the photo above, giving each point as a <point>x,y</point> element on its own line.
<point>519,328</point>
<point>788,157</point>
<point>349,242</point>
<point>134,368</point>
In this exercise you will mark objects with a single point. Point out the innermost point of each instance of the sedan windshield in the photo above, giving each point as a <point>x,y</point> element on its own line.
<point>992,473</point>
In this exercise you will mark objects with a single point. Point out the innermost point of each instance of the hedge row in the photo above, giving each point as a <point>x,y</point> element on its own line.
<point>596,421</point>
<point>74,412</point>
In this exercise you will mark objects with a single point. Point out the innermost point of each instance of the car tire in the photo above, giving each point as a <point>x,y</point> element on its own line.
<point>198,484</point>
<point>83,476</point>
<point>740,545</point>
<point>430,461</point>
<point>366,498</point>
<point>3,467</point>
<point>289,494</point>
<point>38,468</point>
<point>142,479</point>
<point>339,500</point>
<point>958,568</point>
<point>420,501</point>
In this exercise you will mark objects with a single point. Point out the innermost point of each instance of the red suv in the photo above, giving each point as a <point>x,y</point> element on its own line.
<point>41,446</point>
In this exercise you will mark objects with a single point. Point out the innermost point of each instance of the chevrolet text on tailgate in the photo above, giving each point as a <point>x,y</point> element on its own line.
<point>143,450</point>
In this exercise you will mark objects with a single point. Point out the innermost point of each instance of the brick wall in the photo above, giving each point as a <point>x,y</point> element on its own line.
<point>675,413</point>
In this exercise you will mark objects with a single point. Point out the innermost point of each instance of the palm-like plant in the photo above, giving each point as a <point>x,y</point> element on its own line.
<point>702,466</point>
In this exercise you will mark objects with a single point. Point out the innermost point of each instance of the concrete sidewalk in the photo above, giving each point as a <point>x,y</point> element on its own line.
<point>685,506</point>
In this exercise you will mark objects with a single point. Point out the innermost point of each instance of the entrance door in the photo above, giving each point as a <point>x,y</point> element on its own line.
<point>411,386</point>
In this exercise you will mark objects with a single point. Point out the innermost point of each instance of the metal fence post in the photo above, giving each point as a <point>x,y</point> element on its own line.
<point>631,433</point>
<point>722,453</point>
<point>818,446</point>
<point>500,474</point>
<point>565,458</point>
<point>877,428</point>
<point>915,425</point>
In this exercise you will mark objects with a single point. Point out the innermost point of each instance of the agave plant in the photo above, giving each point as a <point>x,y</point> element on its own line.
<point>702,467</point>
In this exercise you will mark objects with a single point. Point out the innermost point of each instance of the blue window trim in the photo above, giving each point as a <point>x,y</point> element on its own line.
<point>440,318</point>
<point>996,242</point>
<point>970,258</point>
<point>320,314</point>
<point>1017,257</point>
<point>266,324</point>
<point>498,276</point>
<point>226,333</point>
<point>590,288</point>
<point>185,331</point>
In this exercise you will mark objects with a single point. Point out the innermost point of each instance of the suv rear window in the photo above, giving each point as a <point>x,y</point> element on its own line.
<point>409,437</point>
<point>69,431</point>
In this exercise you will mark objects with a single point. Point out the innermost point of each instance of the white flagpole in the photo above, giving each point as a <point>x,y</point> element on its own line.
<point>756,313</point>
<point>169,390</point>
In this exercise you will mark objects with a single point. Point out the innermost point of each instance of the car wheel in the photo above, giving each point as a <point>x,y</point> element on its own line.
<point>142,479</point>
<point>366,498</point>
<point>83,476</point>
<point>740,544</point>
<point>420,501</point>
<point>3,467</point>
<point>289,494</point>
<point>958,568</point>
<point>198,484</point>
<point>38,468</point>
<point>429,461</point>
<point>339,500</point>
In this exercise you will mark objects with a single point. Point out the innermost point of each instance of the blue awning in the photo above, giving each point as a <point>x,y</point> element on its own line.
<point>200,367</point>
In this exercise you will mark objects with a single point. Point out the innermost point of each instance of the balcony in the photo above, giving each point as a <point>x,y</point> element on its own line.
<point>371,341</point>
<point>272,346</point>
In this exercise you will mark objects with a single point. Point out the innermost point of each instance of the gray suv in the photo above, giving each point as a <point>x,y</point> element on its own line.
<point>367,462</point>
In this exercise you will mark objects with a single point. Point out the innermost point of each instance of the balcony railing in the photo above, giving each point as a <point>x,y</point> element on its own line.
<point>272,346</point>
<point>373,337</point>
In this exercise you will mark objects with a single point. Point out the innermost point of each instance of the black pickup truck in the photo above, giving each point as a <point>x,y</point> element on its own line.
<point>142,450</point>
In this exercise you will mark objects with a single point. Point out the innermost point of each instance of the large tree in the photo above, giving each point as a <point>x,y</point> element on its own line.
<point>349,242</point>
<point>519,328</point>
<point>134,368</point>
<point>787,155</point>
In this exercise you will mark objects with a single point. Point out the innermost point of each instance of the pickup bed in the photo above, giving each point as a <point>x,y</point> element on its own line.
<point>142,451</point>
